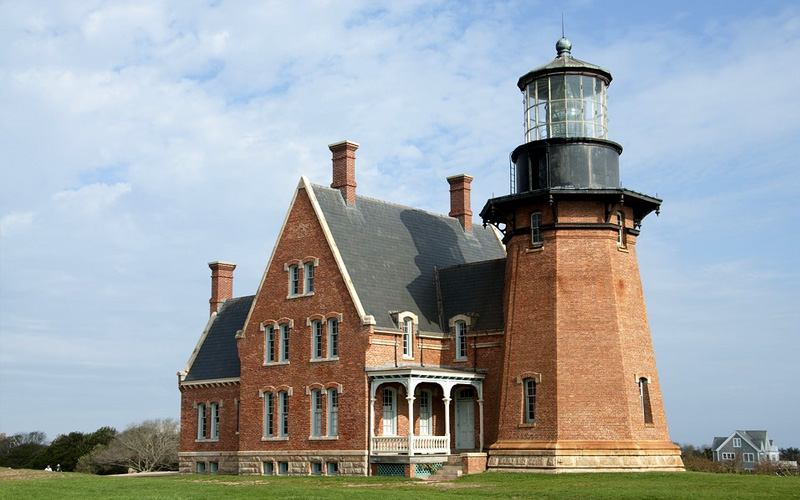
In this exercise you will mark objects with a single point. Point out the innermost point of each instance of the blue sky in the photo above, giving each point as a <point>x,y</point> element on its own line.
<point>141,140</point>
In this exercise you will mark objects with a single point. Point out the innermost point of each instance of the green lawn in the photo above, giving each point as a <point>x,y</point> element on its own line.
<point>36,485</point>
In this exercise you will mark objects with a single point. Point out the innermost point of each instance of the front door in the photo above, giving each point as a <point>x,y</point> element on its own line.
<point>465,419</point>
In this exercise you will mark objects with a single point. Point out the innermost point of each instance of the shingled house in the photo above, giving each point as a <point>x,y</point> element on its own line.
<point>389,340</point>
<point>745,448</point>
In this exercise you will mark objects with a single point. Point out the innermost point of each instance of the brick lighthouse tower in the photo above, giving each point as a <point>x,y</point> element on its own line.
<point>579,388</point>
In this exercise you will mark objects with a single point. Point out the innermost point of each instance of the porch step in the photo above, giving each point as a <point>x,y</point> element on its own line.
<point>447,472</point>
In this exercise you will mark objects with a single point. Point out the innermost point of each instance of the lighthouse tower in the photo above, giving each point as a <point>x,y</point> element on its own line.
<point>579,388</point>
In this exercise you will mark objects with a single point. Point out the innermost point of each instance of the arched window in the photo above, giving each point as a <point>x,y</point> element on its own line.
<point>408,338</point>
<point>294,280</point>
<point>316,412</point>
<point>461,340</point>
<point>308,273</point>
<point>316,339</point>
<point>333,338</point>
<point>644,398</point>
<point>269,415</point>
<point>333,412</point>
<point>269,344</point>
<point>536,228</point>
<point>529,406</point>
<point>389,412</point>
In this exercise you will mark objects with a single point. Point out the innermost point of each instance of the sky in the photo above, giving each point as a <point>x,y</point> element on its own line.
<point>140,140</point>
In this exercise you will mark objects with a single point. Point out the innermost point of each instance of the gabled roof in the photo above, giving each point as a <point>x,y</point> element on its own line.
<point>474,289</point>
<point>216,355</point>
<point>390,253</point>
<point>755,439</point>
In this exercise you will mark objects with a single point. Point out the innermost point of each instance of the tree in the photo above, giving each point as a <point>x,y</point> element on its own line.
<point>66,449</point>
<point>790,454</point>
<point>146,447</point>
<point>20,450</point>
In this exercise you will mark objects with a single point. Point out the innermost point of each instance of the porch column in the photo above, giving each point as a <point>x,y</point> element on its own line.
<point>480,412</point>
<point>371,415</point>
<point>446,401</point>
<point>410,398</point>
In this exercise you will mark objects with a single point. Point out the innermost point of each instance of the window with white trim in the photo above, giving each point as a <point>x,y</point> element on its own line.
<point>284,328</point>
<point>536,228</point>
<point>737,442</point>
<point>408,338</point>
<point>389,412</point>
<point>269,344</point>
<point>333,338</point>
<point>748,457</point>
<point>316,339</point>
<point>425,413</point>
<point>461,340</point>
<point>294,280</point>
<point>283,412</point>
<point>214,434</point>
<point>316,413</point>
<point>308,277</point>
<point>269,415</point>
<point>621,229</point>
<point>201,421</point>
<point>333,412</point>
<point>728,455</point>
<point>529,412</point>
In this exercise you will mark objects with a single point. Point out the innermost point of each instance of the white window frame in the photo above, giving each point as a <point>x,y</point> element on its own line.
<point>621,229</point>
<point>316,413</point>
<point>748,457</point>
<point>408,338</point>
<point>461,340</point>
<point>529,403</point>
<point>425,412</point>
<point>737,442</point>
<point>269,415</point>
<point>283,414</point>
<point>214,433</point>
<point>316,339</point>
<point>727,455</point>
<point>389,405</point>
<point>536,229</point>
<point>333,337</point>
<point>201,421</point>
<point>284,347</point>
<point>308,277</point>
<point>333,412</point>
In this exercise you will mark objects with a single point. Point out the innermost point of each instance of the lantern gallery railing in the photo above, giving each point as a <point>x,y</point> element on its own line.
<point>399,445</point>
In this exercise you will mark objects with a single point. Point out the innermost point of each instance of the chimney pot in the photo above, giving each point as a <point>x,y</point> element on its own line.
<point>460,204</point>
<point>344,169</point>
<point>221,283</point>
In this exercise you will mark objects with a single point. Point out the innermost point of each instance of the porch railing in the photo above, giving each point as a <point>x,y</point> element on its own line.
<point>423,445</point>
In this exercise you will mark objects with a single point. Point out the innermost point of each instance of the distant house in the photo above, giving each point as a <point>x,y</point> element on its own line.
<point>746,448</point>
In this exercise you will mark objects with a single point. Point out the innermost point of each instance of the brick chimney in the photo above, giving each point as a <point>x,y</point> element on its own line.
<point>221,283</point>
<point>460,200</point>
<point>344,169</point>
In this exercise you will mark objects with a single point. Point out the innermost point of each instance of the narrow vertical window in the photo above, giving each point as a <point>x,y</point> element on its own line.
<point>269,415</point>
<point>214,421</point>
<point>333,412</point>
<point>269,344</point>
<point>308,272</point>
<point>461,340</point>
<point>316,339</point>
<point>284,342</point>
<point>620,229</point>
<point>201,421</point>
<point>333,338</point>
<point>389,413</point>
<point>408,346</point>
<point>238,415</point>
<point>644,397</point>
<point>294,280</point>
<point>530,401</point>
<point>283,410</point>
<point>316,412</point>
<point>425,414</point>
<point>536,228</point>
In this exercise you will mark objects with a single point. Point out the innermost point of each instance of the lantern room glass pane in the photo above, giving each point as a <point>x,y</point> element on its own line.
<point>566,105</point>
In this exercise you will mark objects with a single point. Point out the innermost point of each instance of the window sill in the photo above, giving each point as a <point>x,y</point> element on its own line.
<point>649,425</point>
<point>323,360</point>
<point>207,440</point>
<point>535,248</point>
<point>323,438</point>
<point>275,363</point>
<point>299,295</point>
<point>460,360</point>
<point>275,438</point>
<point>527,426</point>
<point>623,249</point>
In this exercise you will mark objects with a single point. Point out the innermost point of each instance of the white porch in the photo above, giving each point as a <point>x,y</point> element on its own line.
<point>410,378</point>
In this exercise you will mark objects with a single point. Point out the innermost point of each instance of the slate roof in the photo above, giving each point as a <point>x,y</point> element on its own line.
<point>476,289</point>
<point>218,356</point>
<point>391,253</point>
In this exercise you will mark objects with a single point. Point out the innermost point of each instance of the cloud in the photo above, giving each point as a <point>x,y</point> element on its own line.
<point>92,198</point>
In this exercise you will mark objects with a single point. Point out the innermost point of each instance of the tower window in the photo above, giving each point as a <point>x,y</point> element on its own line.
<point>529,415</point>
<point>620,229</point>
<point>536,228</point>
<point>644,397</point>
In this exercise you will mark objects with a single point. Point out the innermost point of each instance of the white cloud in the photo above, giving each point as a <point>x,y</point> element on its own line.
<point>92,198</point>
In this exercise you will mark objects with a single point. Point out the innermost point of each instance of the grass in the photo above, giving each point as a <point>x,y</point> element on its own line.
<point>39,485</point>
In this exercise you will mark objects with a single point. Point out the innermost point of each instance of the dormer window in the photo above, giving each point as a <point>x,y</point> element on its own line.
<point>461,340</point>
<point>408,322</point>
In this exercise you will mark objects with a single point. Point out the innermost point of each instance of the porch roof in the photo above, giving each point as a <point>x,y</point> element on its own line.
<point>424,373</point>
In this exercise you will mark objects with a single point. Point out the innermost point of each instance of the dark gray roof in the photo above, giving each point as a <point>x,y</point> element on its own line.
<point>218,356</point>
<point>391,253</point>
<point>475,288</point>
